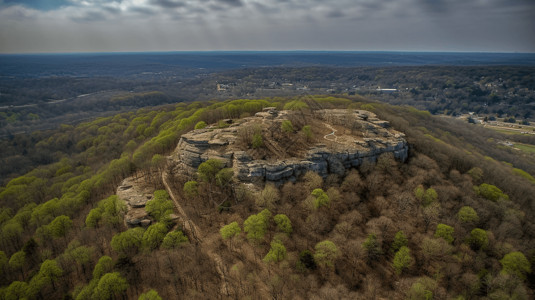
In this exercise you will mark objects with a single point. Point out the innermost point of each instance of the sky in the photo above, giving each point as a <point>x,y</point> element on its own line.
<point>42,26</point>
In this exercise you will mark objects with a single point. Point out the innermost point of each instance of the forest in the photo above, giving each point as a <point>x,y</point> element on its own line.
<point>453,222</point>
<point>28,104</point>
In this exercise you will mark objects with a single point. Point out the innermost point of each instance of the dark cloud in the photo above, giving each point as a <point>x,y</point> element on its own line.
<point>168,3</point>
<point>335,14</point>
<point>236,3</point>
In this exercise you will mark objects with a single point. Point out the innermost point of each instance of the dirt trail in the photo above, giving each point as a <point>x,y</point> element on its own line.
<point>330,134</point>
<point>195,234</point>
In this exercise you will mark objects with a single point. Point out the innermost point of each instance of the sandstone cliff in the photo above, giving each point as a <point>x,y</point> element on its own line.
<point>348,138</point>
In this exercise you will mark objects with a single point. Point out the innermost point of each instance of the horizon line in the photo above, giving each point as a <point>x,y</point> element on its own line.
<point>262,51</point>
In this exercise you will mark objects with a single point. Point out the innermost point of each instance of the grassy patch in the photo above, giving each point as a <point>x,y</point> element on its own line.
<point>526,148</point>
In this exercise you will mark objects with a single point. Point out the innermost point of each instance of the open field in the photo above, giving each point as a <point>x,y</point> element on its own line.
<point>526,148</point>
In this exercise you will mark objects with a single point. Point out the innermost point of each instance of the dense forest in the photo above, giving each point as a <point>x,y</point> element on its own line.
<point>453,222</point>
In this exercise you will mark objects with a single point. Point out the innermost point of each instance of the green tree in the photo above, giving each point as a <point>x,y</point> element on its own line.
<point>276,253</point>
<point>422,289</point>
<point>444,231</point>
<point>93,217</point>
<point>515,263</point>
<point>287,126</point>
<point>283,223</point>
<point>128,242</point>
<point>476,174</point>
<point>492,192</point>
<point>467,215</point>
<point>478,239</point>
<point>224,177</point>
<point>256,226</point>
<point>372,247</point>
<point>16,290</point>
<point>191,189</point>
<point>230,231</point>
<point>3,262</point>
<point>307,132</point>
<point>103,266</point>
<point>419,192</point>
<point>321,198</point>
<point>59,226</point>
<point>150,295</point>
<point>50,271</point>
<point>400,240</point>
<point>402,259</point>
<point>110,286</point>
<point>326,253</point>
<point>17,260</point>
<point>430,196</point>
<point>160,207</point>
<point>174,239</point>
<point>154,235</point>
<point>200,125</point>
<point>257,141</point>
<point>208,170</point>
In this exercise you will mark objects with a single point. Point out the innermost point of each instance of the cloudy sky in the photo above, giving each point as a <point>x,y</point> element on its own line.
<point>180,25</point>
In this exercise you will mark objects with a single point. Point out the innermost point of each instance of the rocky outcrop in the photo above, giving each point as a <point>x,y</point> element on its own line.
<point>135,199</point>
<point>337,152</point>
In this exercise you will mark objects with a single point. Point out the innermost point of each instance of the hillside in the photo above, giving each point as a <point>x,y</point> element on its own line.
<point>452,217</point>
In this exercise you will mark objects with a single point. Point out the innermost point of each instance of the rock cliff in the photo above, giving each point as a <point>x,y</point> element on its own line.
<point>339,149</point>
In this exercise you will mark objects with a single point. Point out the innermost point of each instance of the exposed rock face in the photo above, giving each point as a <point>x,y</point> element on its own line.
<point>135,199</point>
<point>337,152</point>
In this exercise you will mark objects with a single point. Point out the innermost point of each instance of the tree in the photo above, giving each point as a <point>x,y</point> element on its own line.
<point>224,176</point>
<point>150,295</point>
<point>478,239</point>
<point>287,126</point>
<point>174,239</point>
<point>160,206</point>
<point>103,266</point>
<point>59,226</point>
<point>492,192</point>
<point>128,242</point>
<point>467,215</point>
<point>109,286</point>
<point>3,261</point>
<point>402,260</point>
<point>256,226</point>
<point>326,253</point>
<point>200,125</point>
<point>16,290</point>
<point>321,198</point>
<point>283,223</point>
<point>269,196</point>
<point>50,271</point>
<point>307,132</point>
<point>154,235</point>
<point>209,169</point>
<point>430,196</point>
<point>444,231</point>
<point>400,240</point>
<point>257,141</point>
<point>17,260</point>
<point>515,263</point>
<point>276,253</point>
<point>230,231</point>
<point>191,189</point>
<point>372,247</point>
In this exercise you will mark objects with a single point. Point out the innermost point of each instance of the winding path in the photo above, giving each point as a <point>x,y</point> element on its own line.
<point>195,234</point>
<point>330,134</point>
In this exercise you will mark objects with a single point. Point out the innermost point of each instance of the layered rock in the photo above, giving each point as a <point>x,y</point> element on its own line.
<point>337,154</point>
<point>135,199</point>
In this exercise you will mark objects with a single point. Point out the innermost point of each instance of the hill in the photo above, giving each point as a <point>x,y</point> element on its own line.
<point>385,228</point>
